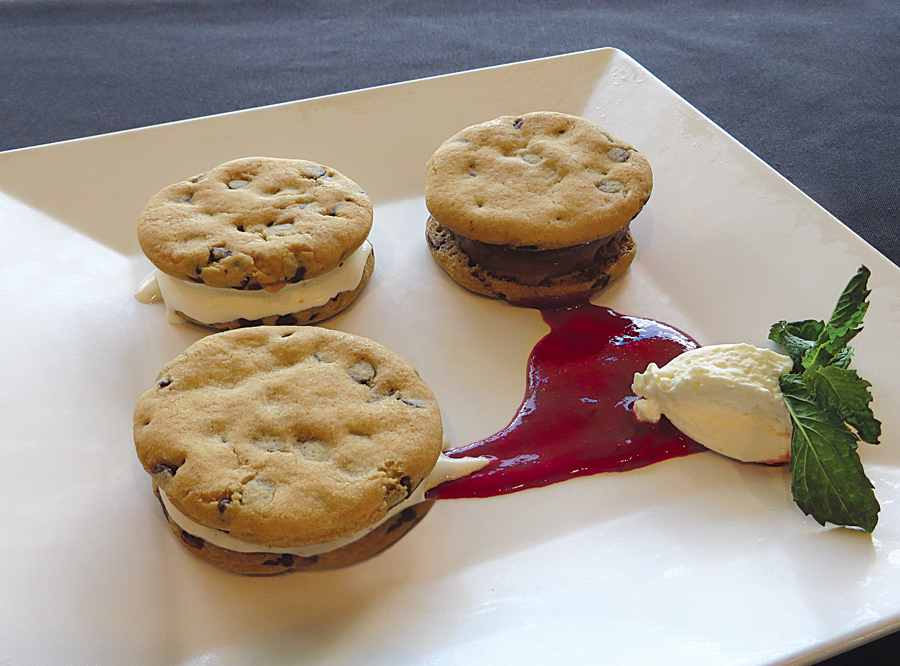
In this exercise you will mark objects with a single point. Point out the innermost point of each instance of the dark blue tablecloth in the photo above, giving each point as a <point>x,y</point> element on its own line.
<point>812,88</point>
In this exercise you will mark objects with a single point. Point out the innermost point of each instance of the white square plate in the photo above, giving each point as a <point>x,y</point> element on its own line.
<point>698,560</point>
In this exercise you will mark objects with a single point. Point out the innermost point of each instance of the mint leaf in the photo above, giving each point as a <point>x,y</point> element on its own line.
<point>845,322</point>
<point>797,338</point>
<point>842,358</point>
<point>827,477</point>
<point>830,412</point>
<point>851,306</point>
<point>842,391</point>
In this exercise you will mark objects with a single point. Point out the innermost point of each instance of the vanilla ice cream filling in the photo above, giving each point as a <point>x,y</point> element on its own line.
<point>446,469</point>
<point>725,397</point>
<point>215,305</point>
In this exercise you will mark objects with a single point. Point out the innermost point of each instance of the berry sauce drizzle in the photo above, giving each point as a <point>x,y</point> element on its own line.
<point>576,417</point>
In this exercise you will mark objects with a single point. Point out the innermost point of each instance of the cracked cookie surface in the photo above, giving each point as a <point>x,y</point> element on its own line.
<point>255,223</point>
<point>287,436</point>
<point>541,180</point>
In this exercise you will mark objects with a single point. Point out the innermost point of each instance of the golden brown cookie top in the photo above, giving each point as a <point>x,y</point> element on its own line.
<point>255,223</point>
<point>287,436</point>
<point>542,180</point>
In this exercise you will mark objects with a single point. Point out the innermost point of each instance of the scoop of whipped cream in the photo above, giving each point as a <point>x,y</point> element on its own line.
<point>725,397</point>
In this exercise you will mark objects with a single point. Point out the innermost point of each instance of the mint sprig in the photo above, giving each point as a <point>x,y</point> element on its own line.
<point>830,411</point>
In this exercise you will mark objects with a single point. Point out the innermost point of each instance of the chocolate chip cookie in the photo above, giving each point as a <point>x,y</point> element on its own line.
<point>278,226</point>
<point>278,448</point>
<point>534,206</point>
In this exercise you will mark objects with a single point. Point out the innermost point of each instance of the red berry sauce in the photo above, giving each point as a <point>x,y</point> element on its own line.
<point>576,417</point>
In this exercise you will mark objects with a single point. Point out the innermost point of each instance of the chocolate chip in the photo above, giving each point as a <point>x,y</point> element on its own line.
<point>194,278</point>
<point>610,186</point>
<point>257,491</point>
<point>240,227</point>
<point>165,468</point>
<point>617,154</point>
<point>217,254</point>
<point>161,503</point>
<point>286,320</point>
<point>164,382</point>
<point>191,540</point>
<point>246,323</point>
<point>313,171</point>
<point>280,228</point>
<point>268,444</point>
<point>518,123</point>
<point>362,372</point>
<point>408,515</point>
<point>286,560</point>
<point>393,495</point>
<point>312,449</point>
<point>223,504</point>
<point>411,403</point>
<point>298,275</point>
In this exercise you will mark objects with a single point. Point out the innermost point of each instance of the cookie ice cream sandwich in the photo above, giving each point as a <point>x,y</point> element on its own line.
<point>258,241</point>
<point>282,448</point>
<point>534,207</point>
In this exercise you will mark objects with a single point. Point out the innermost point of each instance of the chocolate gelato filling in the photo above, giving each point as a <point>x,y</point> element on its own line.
<point>534,266</point>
